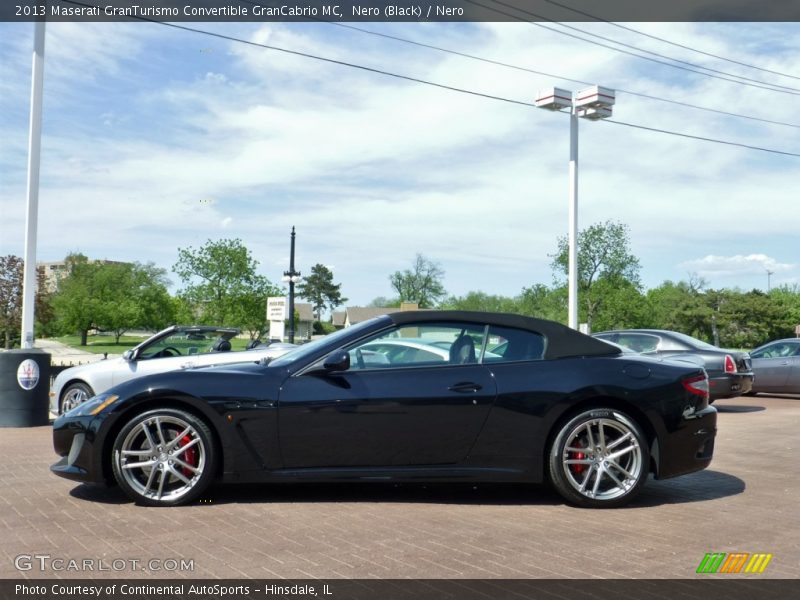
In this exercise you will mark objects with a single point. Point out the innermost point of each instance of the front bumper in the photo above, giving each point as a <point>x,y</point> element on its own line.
<point>690,447</point>
<point>75,439</point>
<point>730,385</point>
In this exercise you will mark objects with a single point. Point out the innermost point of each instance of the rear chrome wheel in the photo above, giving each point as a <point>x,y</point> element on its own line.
<point>164,457</point>
<point>600,458</point>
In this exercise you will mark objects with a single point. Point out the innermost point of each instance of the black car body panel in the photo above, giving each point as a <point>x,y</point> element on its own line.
<point>291,420</point>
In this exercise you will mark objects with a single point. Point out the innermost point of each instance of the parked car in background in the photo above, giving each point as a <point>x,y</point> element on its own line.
<point>177,347</point>
<point>729,371</point>
<point>776,366</point>
<point>552,405</point>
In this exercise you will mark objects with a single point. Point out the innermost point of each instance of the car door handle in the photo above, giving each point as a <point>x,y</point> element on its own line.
<point>465,387</point>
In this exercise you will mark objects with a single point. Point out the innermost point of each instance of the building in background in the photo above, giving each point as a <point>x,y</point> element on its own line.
<point>56,270</point>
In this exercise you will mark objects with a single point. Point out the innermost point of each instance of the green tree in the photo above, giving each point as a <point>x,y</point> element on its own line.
<point>249,310</point>
<point>481,301</point>
<point>221,284</point>
<point>11,291</point>
<point>320,290</point>
<point>623,306</point>
<point>157,307</point>
<point>421,284</point>
<point>384,302</point>
<point>543,302</point>
<point>11,272</point>
<point>113,297</point>
<point>680,306</point>
<point>76,304</point>
<point>787,299</point>
<point>132,295</point>
<point>603,253</point>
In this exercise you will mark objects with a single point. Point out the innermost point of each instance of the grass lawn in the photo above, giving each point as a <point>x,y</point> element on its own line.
<point>100,344</point>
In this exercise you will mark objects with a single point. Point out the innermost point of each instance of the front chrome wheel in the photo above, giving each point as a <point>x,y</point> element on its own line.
<point>600,458</point>
<point>164,457</point>
<point>75,394</point>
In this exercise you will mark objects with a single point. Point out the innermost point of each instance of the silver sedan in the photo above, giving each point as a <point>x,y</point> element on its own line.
<point>776,366</point>
<point>177,347</point>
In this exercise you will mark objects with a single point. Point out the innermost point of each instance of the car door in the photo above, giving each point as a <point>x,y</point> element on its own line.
<point>773,365</point>
<point>379,413</point>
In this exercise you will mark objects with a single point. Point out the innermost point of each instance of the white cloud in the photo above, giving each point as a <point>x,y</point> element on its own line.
<point>752,264</point>
<point>373,169</point>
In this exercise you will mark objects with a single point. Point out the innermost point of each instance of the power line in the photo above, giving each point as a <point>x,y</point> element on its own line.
<point>542,73</point>
<point>415,79</point>
<point>553,75</point>
<point>638,49</point>
<point>670,42</point>
<point>701,138</point>
<point>746,82</point>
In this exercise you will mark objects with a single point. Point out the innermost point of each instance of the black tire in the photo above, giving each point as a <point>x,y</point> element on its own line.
<point>608,475</point>
<point>73,395</point>
<point>164,457</point>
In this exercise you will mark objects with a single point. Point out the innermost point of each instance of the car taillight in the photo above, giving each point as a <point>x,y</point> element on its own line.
<point>697,385</point>
<point>730,366</point>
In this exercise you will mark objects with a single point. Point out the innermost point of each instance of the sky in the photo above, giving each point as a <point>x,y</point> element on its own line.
<point>156,139</point>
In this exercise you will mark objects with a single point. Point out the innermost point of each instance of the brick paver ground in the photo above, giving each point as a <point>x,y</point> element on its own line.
<point>747,501</point>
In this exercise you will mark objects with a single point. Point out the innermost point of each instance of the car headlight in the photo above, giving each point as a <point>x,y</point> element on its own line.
<point>93,405</point>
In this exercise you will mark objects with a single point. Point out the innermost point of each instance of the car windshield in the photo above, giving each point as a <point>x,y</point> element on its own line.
<point>331,340</point>
<point>188,342</point>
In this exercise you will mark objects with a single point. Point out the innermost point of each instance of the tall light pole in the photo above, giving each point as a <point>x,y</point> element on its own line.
<point>593,103</point>
<point>769,276</point>
<point>32,214</point>
<point>291,277</point>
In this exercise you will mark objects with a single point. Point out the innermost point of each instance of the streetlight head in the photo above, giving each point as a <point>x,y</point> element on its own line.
<point>554,99</point>
<point>594,114</point>
<point>595,97</point>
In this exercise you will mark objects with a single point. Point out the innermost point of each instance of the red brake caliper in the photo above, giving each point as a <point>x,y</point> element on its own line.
<point>576,469</point>
<point>189,457</point>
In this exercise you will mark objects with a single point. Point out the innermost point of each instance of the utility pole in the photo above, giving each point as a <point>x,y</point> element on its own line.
<point>769,275</point>
<point>32,214</point>
<point>291,277</point>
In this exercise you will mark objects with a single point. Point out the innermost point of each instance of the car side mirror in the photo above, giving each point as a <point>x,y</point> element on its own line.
<point>128,355</point>
<point>338,360</point>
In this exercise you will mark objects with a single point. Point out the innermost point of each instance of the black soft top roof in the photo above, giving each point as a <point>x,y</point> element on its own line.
<point>561,340</point>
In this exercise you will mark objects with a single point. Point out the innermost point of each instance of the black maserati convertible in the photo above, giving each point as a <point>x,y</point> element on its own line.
<point>411,396</point>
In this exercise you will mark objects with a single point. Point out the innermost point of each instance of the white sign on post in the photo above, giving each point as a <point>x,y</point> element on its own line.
<point>276,315</point>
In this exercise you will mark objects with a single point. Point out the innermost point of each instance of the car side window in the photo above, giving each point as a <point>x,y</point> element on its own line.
<point>507,344</point>
<point>418,345</point>
<point>639,342</point>
<point>778,350</point>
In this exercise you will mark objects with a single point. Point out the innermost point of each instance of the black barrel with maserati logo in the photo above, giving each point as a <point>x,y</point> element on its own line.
<point>24,387</point>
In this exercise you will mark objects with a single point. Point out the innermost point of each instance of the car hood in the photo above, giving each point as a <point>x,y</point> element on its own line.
<point>214,382</point>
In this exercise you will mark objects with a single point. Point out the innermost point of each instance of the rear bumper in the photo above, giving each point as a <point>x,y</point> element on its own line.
<point>690,447</point>
<point>729,385</point>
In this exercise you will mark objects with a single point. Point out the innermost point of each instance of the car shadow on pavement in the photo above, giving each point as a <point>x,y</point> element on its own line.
<point>698,487</point>
<point>99,493</point>
<point>739,408</point>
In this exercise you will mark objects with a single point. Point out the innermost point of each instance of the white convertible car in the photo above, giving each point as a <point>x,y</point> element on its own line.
<point>176,347</point>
